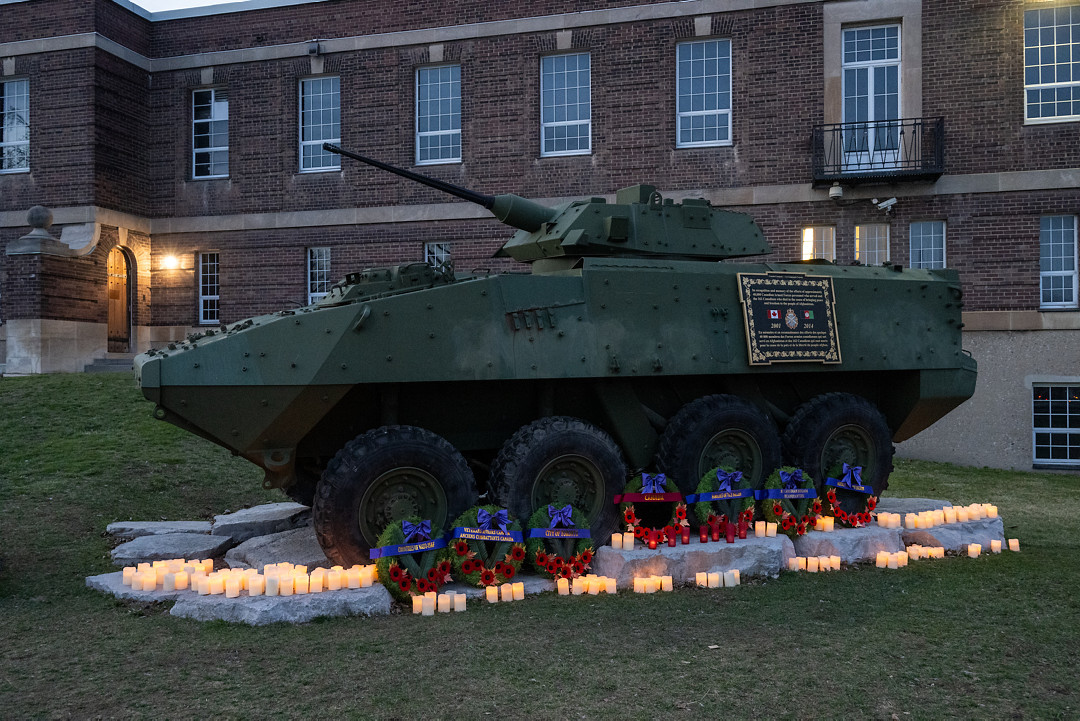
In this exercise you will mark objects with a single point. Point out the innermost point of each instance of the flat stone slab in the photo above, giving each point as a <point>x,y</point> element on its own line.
<point>135,529</point>
<point>853,545</point>
<point>909,505</point>
<point>957,536</point>
<point>255,610</point>
<point>261,520</point>
<point>298,546</point>
<point>751,556</point>
<point>170,545</point>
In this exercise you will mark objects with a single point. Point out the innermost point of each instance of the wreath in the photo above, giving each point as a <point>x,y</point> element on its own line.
<point>486,550</point>
<point>739,508</point>
<point>412,574</point>
<point>558,557</point>
<point>847,498</point>
<point>790,500</point>
<point>660,518</point>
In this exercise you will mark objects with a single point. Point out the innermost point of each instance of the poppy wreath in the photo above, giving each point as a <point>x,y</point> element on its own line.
<point>652,518</point>
<point>486,563</point>
<point>794,516</point>
<point>411,574</point>
<point>558,557</point>
<point>846,498</point>
<point>724,510</point>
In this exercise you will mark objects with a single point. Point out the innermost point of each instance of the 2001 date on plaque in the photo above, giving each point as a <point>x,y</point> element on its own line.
<point>789,317</point>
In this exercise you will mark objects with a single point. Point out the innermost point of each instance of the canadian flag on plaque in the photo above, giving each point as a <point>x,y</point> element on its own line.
<point>774,315</point>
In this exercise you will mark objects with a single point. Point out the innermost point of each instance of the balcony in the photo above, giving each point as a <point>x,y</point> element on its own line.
<point>879,151</point>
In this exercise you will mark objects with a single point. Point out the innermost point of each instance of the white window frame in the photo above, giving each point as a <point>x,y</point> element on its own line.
<point>1044,47</point>
<point>549,113</point>
<point>875,135</point>
<point>708,89</point>
<point>862,235</point>
<point>209,288</point>
<point>1060,407</point>
<point>819,241</point>
<point>439,254</point>
<point>452,119</point>
<point>327,132</point>
<point>15,117</point>
<point>1068,271</point>
<point>318,273</point>
<point>933,248</point>
<point>219,112</point>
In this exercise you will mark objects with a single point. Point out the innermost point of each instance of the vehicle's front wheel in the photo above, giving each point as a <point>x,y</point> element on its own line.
<point>385,476</point>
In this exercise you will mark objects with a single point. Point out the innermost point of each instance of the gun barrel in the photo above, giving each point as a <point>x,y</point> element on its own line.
<point>472,196</point>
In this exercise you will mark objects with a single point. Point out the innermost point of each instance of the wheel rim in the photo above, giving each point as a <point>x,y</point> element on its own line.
<point>731,448</point>
<point>570,479</point>
<point>850,444</point>
<point>399,494</point>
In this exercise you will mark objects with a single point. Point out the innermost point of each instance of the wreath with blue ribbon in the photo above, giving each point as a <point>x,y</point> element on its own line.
<point>790,500</point>
<point>649,508</point>
<point>847,498</point>
<point>558,543</point>
<point>487,546</point>
<point>723,494</point>
<point>411,558</point>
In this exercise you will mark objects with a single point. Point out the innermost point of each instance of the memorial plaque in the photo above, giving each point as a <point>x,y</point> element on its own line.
<point>789,317</point>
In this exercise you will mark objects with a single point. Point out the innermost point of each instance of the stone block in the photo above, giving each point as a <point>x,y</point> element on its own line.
<point>170,545</point>
<point>751,556</point>
<point>261,520</point>
<point>853,545</point>
<point>909,505</point>
<point>298,546</point>
<point>134,529</point>
<point>957,536</point>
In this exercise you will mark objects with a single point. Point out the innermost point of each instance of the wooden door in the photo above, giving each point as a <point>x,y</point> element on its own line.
<point>119,303</point>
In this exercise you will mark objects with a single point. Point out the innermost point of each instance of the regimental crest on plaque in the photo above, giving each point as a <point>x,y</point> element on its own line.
<point>790,317</point>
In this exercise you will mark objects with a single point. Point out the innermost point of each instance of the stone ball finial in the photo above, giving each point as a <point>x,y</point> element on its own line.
<point>39,217</point>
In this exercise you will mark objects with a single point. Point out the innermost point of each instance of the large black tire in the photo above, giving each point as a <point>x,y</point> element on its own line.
<point>560,460</point>
<point>718,430</point>
<point>384,476</point>
<point>837,428</point>
<point>303,488</point>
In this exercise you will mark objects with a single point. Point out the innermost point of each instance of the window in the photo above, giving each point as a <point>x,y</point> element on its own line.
<point>927,249</point>
<point>438,255</point>
<point>819,242</point>
<point>872,244</point>
<point>1057,262</point>
<point>1052,64</point>
<point>703,105</point>
<point>210,134</point>
<point>1056,424</point>
<point>14,126</point>
<point>318,273</point>
<point>438,115</point>
<point>565,105</point>
<point>320,122</point>
<point>871,82</point>
<point>209,288</point>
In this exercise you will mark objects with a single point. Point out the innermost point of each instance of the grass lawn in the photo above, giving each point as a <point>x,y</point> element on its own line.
<point>994,637</point>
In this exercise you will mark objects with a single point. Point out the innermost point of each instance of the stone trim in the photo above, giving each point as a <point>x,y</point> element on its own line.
<point>1020,320</point>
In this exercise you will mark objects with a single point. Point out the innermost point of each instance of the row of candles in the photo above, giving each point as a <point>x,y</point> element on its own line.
<point>427,604</point>
<point>813,564</point>
<point>675,534</point>
<point>277,579</point>
<point>725,579</point>
<point>946,515</point>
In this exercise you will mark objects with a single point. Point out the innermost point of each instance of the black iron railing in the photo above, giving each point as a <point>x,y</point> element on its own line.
<point>880,150</point>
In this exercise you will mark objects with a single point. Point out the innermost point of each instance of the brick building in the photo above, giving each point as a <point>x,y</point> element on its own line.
<point>180,155</point>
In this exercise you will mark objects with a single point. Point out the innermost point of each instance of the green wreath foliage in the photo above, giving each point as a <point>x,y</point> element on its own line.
<point>725,510</point>
<point>794,517</point>
<point>485,563</point>
<point>849,508</point>
<point>657,515</point>
<point>558,557</point>
<point>411,574</point>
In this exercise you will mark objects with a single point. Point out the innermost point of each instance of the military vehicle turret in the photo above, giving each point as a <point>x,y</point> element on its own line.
<point>629,345</point>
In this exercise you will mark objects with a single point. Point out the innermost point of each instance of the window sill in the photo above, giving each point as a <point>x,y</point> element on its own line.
<point>1051,121</point>
<point>423,163</point>
<point>1055,466</point>
<point>316,171</point>
<point>14,171</point>
<point>576,153</point>
<point>209,177</point>
<point>691,146</point>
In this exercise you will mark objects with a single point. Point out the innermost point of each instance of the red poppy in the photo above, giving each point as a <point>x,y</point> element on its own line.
<point>461,548</point>
<point>777,509</point>
<point>680,513</point>
<point>817,507</point>
<point>395,572</point>
<point>552,568</point>
<point>467,567</point>
<point>508,572</point>
<point>577,568</point>
<point>841,514</point>
<point>423,586</point>
<point>629,517</point>
<point>750,514</point>
<point>787,522</point>
<point>499,566</point>
<point>541,558</point>
<point>640,532</point>
<point>831,495</point>
<point>805,520</point>
<point>586,556</point>
<point>487,577</point>
<point>866,518</point>
<point>871,503</point>
<point>558,561</point>
<point>711,519</point>
<point>801,529</point>
<point>565,572</point>
<point>444,568</point>
<point>404,584</point>
<point>517,553</point>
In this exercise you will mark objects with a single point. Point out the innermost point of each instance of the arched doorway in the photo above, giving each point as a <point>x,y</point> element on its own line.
<point>119,270</point>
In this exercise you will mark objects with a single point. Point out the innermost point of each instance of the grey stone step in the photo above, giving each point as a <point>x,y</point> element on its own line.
<point>145,549</point>
<point>261,520</point>
<point>116,364</point>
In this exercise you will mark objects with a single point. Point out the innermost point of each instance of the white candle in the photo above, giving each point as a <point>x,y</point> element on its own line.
<point>714,580</point>
<point>427,606</point>
<point>609,585</point>
<point>285,584</point>
<point>819,524</point>
<point>812,564</point>
<point>759,529</point>
<point>506,592</point>
<point>991,511</point>
<point>974,549</point>
<point>232,588</point>
<point>129,575</point>
<point>894,561</point>
<point>995,546</point>
<point>801,560</point>
<point>180,580</point>
<point>417,604</point>
<point>882,559</point>
<point>639,585</point>
<point>628,542</point>
<point>770,530</point>
<point>208,566</point>
<point>256,585</point>
<point>702,579</point>
<point>272,582</point>
<point>939,517</point>
<point>445,602</point>
<point>901,559</point>
<point>616,541</point>
<point>911,521</point>
<point>828,523</point>
<point>824,563</point>
<point>729,579</point>
<point>367,576</point>
<point>300,583</point>
<point>519,591</point>
<point>315,582</point>
<point>352,577</point>
<point>961,515</point>
<point>792,564</point>
<point>666,583</point>
<point>492,594</point>
<point>578,586</point>
<point>1014,544</point>
<point>217,584</point>
<point>563,585</point>
<point>835,562</point>
<point>168,582</point>
<point>333,580</point>
<point>594,586</point>
<point>459,602</point>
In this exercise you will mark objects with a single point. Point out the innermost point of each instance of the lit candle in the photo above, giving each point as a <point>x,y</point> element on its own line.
<point>991,511</point>
<point>180,580</point>
<point>609,585</point>
<point>729,579</point>
<point>333,580</point>
<point>628,542</point>
<point>939,517</point>
<point>232,588</point>
<point>894,561</point>
<point>273,580</point>
<point>652,584</point>
<point>819,523</point>
<point>352,577</point>
<point>812,564</point>
<point>506,593</point>
<point>1014,544</point>
<point>835,562</point>
<point>824,563</point>
<point>685,535</point>
<point>208,566</point>
<point>519,591</point>
<point>492,594</point>
<point>616,541</point>
<point>995,546</point>
<point>911,521</point>
<point>652,542</point>
<point>129,575</point>
<point>459,602</point>
<point>770,530</point>
<point>300,583</point>
<point>759,529</point>
<point>417,604</point>
<point>256,585</point>
<point>666,583</point>
<point>829,521</point>
<point>563,585</point>
<point>672,533</point>
<point>445,602</point>
<point>315,582</point>
<point>801,561</point>
<point>639,585</point>
<point>901,559</point>
<point>168,582</point>
<point>577,586</point>
<point>217,585</point>
<point>729,534</point>
<point>793,564</point>
<point>914,552</point>
<point>714,580</point>
<point>961,515</point>
<point>367,576</point>
<point>939,552</point>
<point>703,534</point>
<point>427,606</point>
<point>882,559</point>
<point>702,579</point>
<point>743,527</point>
<point>974,549</point>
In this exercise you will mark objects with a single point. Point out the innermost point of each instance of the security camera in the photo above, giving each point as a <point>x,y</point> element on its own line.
<point>836,192</point>
<point>885,205</point>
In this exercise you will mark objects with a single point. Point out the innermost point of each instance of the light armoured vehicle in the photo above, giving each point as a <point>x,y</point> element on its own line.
<point>633,343</point>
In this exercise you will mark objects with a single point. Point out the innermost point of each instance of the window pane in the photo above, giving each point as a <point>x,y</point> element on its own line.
<point>1058,262</point>
<point>14,126</point>
<point>703,97</point>
<point>320,122</point>
<point>1050,64</point>
<point>209,287</point>
<point>438,114</point>
<point>927,248</point>
<point>1062,416</point>
<point>565,112</point>
<point>210,133</point>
